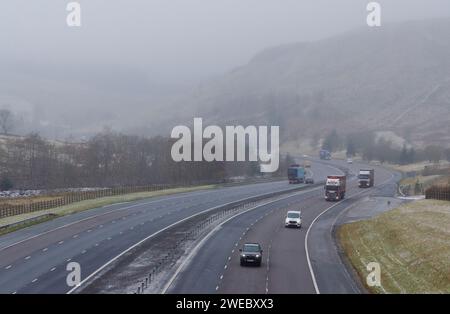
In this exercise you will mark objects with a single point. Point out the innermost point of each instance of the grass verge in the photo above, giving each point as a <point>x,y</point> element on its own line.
<point>90,204</point>
<point>411,244</point>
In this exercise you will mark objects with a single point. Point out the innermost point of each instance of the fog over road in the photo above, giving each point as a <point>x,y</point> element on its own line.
<point>34,260</point>
<point>285,267</point>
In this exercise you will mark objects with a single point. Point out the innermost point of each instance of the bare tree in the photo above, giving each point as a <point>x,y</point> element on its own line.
<point>6,121</point>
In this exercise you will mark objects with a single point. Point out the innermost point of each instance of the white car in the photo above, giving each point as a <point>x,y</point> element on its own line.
<point>293,219</point>
<point>349,161</point>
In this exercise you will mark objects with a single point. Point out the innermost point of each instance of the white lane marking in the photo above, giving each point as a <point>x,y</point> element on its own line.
<point>60,242</point>
<point>28,257</point>
<point>89,230</point>
<point>225,267</point>
<point>53,269</point>
<point>84,251</point>
<point>208,235</point>
<point>45,249</point>
<point>217,288</point>
<point>14,292</point>
<point>68,260</point>
<point>181,221</point>
<point>96,244</point>
<point>221,277</point>
<point>106,213</point>
<point>34,280</point>
<point>8,267</point>
<point>313,277</point>
<point>75,236</point>
<point>109,238</point>
<point>268,268</point>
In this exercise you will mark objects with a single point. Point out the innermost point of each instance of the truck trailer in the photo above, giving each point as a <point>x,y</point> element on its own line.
<point>366,178</point>
<point>335,188</point>
<point>296,174</point>
<point>324,154</point>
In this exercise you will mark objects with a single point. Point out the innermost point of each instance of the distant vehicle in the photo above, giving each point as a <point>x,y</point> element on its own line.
<point>335,188</point>
<point>251,253</point>
<point>349,160</point>
<point>309,180</point>
<point>293,219</point>
<point>324,154</point>
<point>366,178</point>
<point>296,174</point>
<point>307,164</point>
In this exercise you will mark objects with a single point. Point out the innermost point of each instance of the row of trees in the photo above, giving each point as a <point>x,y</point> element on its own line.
<point>108,159</point>
<point>370,148</point>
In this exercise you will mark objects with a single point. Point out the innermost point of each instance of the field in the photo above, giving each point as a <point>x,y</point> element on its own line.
<point>411,244</point>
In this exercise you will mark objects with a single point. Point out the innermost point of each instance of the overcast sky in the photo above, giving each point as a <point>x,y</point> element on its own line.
<point>182,39</point>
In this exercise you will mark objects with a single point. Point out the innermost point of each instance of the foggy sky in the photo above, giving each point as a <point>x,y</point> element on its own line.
<point>131,59</point>
<point>182,40</point>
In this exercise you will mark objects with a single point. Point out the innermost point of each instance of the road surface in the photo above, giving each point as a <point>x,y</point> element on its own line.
<point>34,260</point>
<point>285,267</point>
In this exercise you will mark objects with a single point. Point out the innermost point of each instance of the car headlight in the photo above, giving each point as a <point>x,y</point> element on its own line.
<point>243,255</point>
<point>257,255</point>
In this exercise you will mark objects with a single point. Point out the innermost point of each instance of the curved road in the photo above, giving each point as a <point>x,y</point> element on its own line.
<point>34,260</point>
<point>286,267</point>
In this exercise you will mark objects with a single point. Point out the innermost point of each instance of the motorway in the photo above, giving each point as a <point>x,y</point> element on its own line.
<point>294,260</point>
<point>34,260</point>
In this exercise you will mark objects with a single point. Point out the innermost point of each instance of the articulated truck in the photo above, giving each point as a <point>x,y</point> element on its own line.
<point>335,188</point>
<point>366,178</point>
<point>296,174</point>
<point>324,154</point>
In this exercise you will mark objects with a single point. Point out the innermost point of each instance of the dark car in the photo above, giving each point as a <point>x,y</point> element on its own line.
<point>251,253</point>
<point>309,180</point>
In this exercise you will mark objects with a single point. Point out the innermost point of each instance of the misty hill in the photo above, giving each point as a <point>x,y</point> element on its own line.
<point>395,78</point>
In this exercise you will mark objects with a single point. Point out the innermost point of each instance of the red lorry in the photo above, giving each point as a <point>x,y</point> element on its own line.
<point>335,188</point>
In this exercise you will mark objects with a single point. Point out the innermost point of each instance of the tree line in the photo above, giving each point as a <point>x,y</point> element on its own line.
<point>108,159</point>
<point>370,148</point>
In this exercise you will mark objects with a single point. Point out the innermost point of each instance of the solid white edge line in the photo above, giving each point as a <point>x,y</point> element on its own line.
<point>313,277</point>
<point>99,215</point>
<point>200,244</point>
<point>158,232</point>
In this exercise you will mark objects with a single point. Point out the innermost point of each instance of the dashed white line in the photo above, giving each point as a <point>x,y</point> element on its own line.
<point>45,249</point>
<point>53,269</point>
<point>8,267</point>
<point>84,251</point>
<point>28,257</point>
<point>75,236</point>
<point>34,280</point>
<point>60,242</point>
